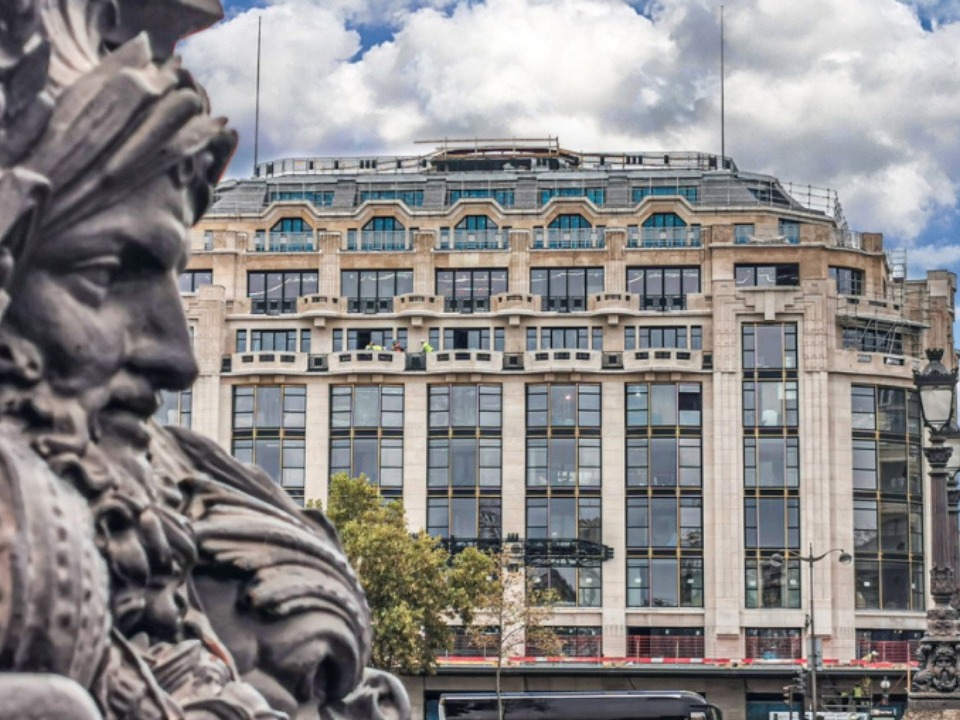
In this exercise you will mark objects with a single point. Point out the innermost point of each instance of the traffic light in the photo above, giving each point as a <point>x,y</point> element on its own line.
<point>788,694</point>
<point>799,682</point>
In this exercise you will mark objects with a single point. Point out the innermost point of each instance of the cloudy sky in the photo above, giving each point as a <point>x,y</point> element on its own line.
<point>861,96</point>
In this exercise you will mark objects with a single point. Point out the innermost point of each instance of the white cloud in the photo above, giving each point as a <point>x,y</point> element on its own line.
<point>851,94</point>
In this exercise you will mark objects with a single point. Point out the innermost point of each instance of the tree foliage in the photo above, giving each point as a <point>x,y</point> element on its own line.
<point>414,587</point>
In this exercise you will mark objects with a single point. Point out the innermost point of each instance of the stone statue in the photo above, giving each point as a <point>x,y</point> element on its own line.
<point>143,572</point>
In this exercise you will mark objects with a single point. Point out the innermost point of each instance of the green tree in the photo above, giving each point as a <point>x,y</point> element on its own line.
<point>514,617</point>
<point>414,587</point>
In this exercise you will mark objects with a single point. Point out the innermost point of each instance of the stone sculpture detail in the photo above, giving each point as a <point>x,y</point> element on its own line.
<point>143,572</point>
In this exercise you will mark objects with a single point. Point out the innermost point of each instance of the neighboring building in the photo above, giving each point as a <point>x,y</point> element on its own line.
<point>664,376</point>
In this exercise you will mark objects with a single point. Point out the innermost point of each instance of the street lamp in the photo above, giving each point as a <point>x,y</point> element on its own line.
<point>813,654</point>
<point>936,685</point>
<point>885,690</point>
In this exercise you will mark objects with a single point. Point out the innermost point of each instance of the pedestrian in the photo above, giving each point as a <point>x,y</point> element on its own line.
<point>397,347</point>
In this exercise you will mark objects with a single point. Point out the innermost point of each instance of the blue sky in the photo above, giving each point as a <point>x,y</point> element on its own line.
<point>861,96</point>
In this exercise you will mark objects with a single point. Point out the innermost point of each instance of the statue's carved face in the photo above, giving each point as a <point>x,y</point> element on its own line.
<point>100,302</point>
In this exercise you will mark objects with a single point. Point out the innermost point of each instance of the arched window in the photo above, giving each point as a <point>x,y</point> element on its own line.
<point>291,225</point>
<point>570,222</point>
<point>664,220</point>
<point>380,224</point>
<point>476,222</point>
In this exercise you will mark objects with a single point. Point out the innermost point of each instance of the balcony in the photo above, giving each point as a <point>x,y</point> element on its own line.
<point>464,360</point>
<point>670,237</point>
<point>579,239</point>
<point>284,242</point>
<point>519,303</point>
<point>564,360</point>
<point>663,358</point>
<point>473,240</point>
<point>319,304</point>
<point>367,361</point>
<point>273,361</point>
<point>378,241</point>
<point>612,303</point>
<point>466,305</point>
<point>417,304</point>
<point>773,648</point>
<point>674,647</point>
<point>588,646</point>
<point>768,238</point>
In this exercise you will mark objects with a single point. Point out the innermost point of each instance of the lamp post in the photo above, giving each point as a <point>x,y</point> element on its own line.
<point>936,684</point>
<point>813,654</point>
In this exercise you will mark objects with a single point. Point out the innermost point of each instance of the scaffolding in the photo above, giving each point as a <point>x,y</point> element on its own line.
<point>891,323</point>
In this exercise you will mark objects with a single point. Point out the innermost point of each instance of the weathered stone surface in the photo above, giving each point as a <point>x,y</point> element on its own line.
<point>143,572</point>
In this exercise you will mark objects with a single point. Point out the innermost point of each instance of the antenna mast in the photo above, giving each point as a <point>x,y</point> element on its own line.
<point>256,121</point>
<point>723,138</point>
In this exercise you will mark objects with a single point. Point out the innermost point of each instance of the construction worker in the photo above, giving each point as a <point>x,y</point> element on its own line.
<point>426,347</point>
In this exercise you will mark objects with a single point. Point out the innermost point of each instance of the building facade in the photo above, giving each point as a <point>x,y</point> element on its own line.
<point>664,379</point>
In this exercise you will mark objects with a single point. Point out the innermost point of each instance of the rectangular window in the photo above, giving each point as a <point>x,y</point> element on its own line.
<point>460,462</point>
<point>770,403</point>
<point>565,289</point>
<point>380,460</point>
<point>176,408</point>
<point>366,407</point>
<point>773,643</point>
<point>772,582</point>
<point>770,462</point>
<point>268,429</point>
<point>563,462</point>
<point>768,347</point>
<point>273,340</point>
<point>664,462</point>
<point>276,292</point>
<point>465,406</point>
<point>559,519</point>
<point>849,280</point>
<point>191,280</point>
<point>767,275</point>
<point>743,233</point>
<point>372,291</point>
<point>663,405</point>
<point>663,288</point>
<point>563,406</point>
<point>664,582</point>
<point>468,291</point>
<point>466,338</point>
<point>464,518</point>
<point>772,523</point>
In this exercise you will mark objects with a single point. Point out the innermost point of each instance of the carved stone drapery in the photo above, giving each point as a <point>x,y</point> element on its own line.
<point>144,574</point>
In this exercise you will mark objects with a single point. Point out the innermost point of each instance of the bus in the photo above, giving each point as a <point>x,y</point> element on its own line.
<point>615,705</point>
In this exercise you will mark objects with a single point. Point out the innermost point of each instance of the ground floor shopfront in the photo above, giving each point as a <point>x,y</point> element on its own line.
<point>752,692</point>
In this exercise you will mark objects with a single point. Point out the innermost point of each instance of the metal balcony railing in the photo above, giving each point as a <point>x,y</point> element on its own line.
<point>670,237</point>
<point>473,240</point>
<point>891,651</point>
<point>284,242</point>
<point>774,648</point>
<point>665,646</point>
<point>378,241</point>
<point>579,239</point>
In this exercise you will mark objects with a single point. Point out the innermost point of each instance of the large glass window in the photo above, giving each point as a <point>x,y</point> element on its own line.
<point>663,288</point>
<point>469,291</point>
<point>887,498</point>
<point>273,340</point>
<point>566,518</point>
<point>663,404</point>
<point>565,338</point>
<point>464,461</point>
<point>268,429</point>
<point>664,582</point>
<point>565,289</point>
<point>366,433</point>
<point>770,403</point>
<point>560,405</point>
<point>276,292</point>
<point>372,291</point>
<point>596,195</point>
<point>772,582</point>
